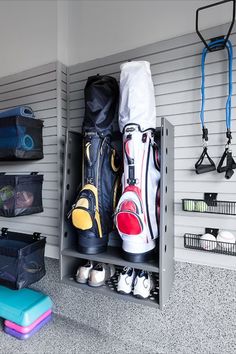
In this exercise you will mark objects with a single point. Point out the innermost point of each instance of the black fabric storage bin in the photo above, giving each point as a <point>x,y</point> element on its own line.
<point>21,259</point>
<point>21,138</point>
<point>20,194</point>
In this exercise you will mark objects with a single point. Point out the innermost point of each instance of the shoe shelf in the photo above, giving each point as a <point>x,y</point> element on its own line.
<point>112,256</point>
<point>110,289</point>
<point>162,266</point>
<point>209,205</point>
<point>194,241</point>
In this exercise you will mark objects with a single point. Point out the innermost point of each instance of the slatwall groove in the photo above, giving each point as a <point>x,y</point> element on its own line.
<point>29,91</point>
<point>176,72</point>
<point>169,98</point>
<point>33,81</point>
<point>158,59</point>
<point>161,76</point>
<point>24,82</point>
<point>31,73</point>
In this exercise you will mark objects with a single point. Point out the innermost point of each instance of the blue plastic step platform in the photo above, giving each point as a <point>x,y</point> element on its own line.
<point>23,306</point>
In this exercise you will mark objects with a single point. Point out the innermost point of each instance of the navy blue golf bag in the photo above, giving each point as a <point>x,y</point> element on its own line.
<point>102,153</point>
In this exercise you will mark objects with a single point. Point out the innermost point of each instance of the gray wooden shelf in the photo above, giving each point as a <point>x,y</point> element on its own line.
<point>106,291</point>
<point>111,256</point>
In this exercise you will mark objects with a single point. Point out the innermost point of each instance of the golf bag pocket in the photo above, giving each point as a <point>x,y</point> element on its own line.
<point>21,138</point>
<point>85,214</point>
<point>129,216</point>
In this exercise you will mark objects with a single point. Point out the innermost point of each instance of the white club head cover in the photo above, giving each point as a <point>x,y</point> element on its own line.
<point>137,98</point>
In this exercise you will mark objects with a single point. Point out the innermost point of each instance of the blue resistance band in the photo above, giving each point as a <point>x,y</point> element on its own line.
<point>229,47</point>
<point>227,163</point>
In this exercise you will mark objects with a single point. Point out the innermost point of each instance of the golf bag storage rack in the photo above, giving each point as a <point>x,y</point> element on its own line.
<point>20,194</point>
<point>209,205</point>
<point>193,241</point>
<point>21,138</point>
<point>21,258</point>
<point>162,264</point>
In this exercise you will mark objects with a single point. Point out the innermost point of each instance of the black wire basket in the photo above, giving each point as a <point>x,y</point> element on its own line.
<point>194,241</point>
<point>20,194</point>
<point>209,205</point>
<point>21,258</point>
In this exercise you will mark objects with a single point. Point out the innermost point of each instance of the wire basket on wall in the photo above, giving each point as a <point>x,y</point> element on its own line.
<point>210,205</point>
<point>194,241</point>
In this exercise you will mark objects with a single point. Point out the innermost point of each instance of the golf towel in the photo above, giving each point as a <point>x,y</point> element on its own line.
<point>20,111</point>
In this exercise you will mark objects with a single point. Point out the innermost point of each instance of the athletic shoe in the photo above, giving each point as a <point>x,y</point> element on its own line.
<point>100,274</point>
<point>82,274</point>
<point>143,284</point>
<point>126,280</point>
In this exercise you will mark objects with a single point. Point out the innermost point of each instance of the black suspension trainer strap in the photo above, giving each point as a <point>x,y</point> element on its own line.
<point>227,163</point>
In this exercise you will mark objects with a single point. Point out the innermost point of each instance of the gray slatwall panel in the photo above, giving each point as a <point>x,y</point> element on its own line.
<point>175,66</point>
<point>37,88</point>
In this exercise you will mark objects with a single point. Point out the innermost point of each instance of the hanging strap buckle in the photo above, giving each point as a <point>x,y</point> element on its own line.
<point>203,168</point>
<point>204,138</point>
<point>229,136</point>
<point>205,134</point>
<point>230,163</point>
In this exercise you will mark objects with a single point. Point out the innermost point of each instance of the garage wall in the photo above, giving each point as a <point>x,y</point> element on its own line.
<point>175,66</point>
<point>42,88</point>
<point>97,28</point>
<point>28,34</point>
<point>37,32</point>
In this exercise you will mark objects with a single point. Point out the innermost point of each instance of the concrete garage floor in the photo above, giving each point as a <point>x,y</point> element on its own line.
<point>199,318</point>
<point>64,335</point>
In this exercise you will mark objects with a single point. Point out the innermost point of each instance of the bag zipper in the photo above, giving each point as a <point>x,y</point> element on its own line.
<point>97,215</point>
<point>115,190</point>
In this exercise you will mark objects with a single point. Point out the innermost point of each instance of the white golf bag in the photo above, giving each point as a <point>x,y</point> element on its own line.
<point>136,216</point>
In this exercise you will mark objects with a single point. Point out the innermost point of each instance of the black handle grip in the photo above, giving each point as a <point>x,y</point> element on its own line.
<point>229,174</point>
<point>204,169</point>
<point>230,27</point>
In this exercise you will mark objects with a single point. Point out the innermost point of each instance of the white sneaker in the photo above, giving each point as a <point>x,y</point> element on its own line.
<point>126,280</point>
<point>100,274</point>
<point>82,274</point>
<point>143,284</point>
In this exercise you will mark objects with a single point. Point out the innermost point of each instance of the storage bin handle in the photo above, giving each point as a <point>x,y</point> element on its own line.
<point>36,235</point>
<point>4,231</point>
<point>210,230</point>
